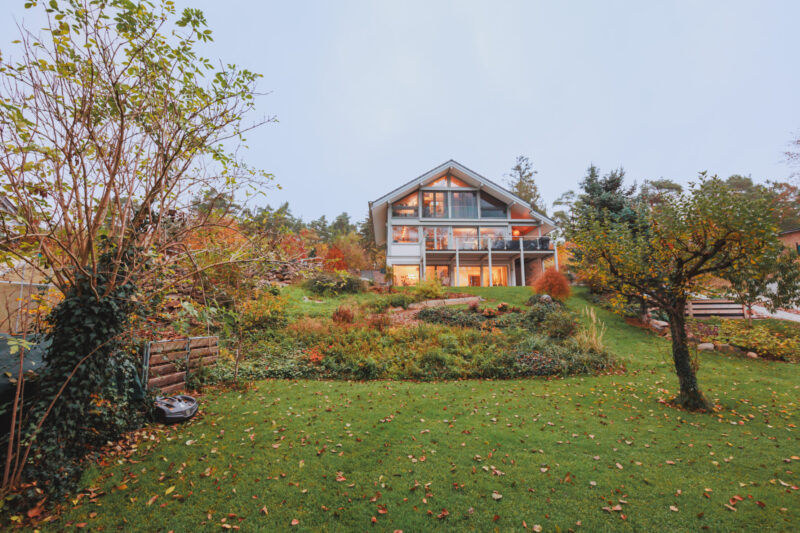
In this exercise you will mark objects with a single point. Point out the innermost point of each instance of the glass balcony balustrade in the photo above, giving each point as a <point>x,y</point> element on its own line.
<point>439,242</point>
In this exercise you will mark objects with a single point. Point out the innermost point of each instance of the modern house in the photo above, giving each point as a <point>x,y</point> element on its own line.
<point>455,224</point>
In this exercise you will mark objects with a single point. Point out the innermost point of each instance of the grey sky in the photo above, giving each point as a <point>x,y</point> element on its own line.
<point>372,94</point>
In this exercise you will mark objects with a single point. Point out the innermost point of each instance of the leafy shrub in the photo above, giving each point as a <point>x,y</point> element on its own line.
<point>760,339</point>
<point>451,317</point>
<point>560,325</point>
<point>266,311</point>
<point>554,283</point>
<point>400,299</point>
<point>333,283</point>
<point>344,315</point>
<point>429,289</point>
<point>539,311</point>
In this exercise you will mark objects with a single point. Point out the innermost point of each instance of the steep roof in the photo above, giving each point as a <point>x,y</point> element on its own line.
<point>379,208</point>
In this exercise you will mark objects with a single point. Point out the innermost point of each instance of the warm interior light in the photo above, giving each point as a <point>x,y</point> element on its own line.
<point>515,233</point>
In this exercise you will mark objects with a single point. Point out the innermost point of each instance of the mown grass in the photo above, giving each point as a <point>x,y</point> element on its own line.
<point>350,456</point>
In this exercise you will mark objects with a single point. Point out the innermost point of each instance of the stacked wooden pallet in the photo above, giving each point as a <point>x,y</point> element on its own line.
<point>168,364</point>
<point>715,307</point>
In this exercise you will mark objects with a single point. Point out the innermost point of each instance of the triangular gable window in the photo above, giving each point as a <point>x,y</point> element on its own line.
<point>455,182</point>
<point>439,182</point>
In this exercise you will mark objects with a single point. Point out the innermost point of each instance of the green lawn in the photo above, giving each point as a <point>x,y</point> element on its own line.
<point>496,455</point>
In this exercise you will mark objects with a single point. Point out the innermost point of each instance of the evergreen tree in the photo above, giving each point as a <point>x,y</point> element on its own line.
<point>521,182</point>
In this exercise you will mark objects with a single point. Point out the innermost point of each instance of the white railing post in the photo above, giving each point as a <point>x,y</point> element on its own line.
<point>489,246</point>
<point>422,252</point>
<point>522,259</point>
<point>458,266</point>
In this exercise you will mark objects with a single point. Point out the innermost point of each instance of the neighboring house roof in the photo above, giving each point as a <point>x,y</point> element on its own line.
<point>379,206</point>
<point>788,231</point>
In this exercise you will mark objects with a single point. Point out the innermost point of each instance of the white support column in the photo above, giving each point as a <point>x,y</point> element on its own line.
<point>489,244</point>
<point>513,280</point>
<point>458,266</point>
<point>555,254</point>
<point>522,260</point>
<point>422,252</point>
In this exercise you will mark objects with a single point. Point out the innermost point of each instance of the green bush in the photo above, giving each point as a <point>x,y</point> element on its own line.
<point>759,338</point>
<point>429,289</point>
<point>451,317</point>
<point>560,325</point>
<point>332,284</point>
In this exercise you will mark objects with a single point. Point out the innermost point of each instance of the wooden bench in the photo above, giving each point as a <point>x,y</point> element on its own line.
<point>717,307</point>
<point>166,365</point>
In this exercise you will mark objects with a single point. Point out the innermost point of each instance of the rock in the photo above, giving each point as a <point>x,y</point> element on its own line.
<point>660,324</point>
<point>546,299</point>
<point>705,346</point>
<point>752,355</point>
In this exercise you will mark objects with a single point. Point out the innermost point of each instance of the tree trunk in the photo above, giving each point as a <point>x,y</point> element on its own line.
<point>690,396</point>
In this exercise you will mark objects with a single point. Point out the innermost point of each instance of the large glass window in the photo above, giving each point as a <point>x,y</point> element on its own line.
<point>440,271</point>
<point>492,207</point>
<point>407,207</point>
<point>465,204</point>
<point>434,204</point>
<point>405,275</point>
<point>495,234</point>
<point>469,276</point>
<point>455,182</point>
<point>440,182</point>
<point>466,238</point>
<point>405,234</point>
<point>437,237</point>
<point>499,276</point>
<point>475,276</point>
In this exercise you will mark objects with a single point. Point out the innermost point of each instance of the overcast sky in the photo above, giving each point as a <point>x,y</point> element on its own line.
<point>370,94</point>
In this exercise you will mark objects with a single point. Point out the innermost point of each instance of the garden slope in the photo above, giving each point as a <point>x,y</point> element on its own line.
<point>336,456</point>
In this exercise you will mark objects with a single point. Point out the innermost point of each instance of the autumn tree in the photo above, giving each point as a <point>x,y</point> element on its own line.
<point>111,123</point>
<point>521,181</point>
<point>664,250</point>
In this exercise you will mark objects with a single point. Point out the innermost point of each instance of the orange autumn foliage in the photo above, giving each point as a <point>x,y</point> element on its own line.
<point>553,283</point>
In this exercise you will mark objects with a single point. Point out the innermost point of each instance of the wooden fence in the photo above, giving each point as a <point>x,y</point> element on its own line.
<point>721,308</point>
<point>167,364</point>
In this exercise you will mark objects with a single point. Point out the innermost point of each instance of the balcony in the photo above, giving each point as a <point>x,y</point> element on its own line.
<point>483,243</point>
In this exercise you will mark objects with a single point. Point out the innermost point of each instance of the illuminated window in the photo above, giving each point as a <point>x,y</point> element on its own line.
<point>440,271</point>
<point>407,207</point>
<point>434,204</point>
<point>437,237</point>
<point>405,234</point>
<point>405,275</point>
<point>466,238</point>
<point>440,182</point>
<point>495,234</point>
<point>455,182</point>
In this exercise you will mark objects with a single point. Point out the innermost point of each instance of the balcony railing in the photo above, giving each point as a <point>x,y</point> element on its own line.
<point>484,242</point>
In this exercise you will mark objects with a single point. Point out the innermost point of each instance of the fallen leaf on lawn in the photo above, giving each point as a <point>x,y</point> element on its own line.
<point>295,521</point>
<point>496,495</point>
<point>673,508</point>
<point>166,492</point>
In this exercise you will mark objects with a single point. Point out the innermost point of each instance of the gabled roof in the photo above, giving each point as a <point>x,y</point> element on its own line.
<point>790,230</point>
<point>378,209</point>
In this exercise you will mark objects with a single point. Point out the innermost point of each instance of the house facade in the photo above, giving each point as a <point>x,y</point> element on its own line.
<point>791,238</point>
<point>461,227</point>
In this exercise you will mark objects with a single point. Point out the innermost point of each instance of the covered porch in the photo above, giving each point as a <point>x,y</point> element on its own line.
<point>481,263</point>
